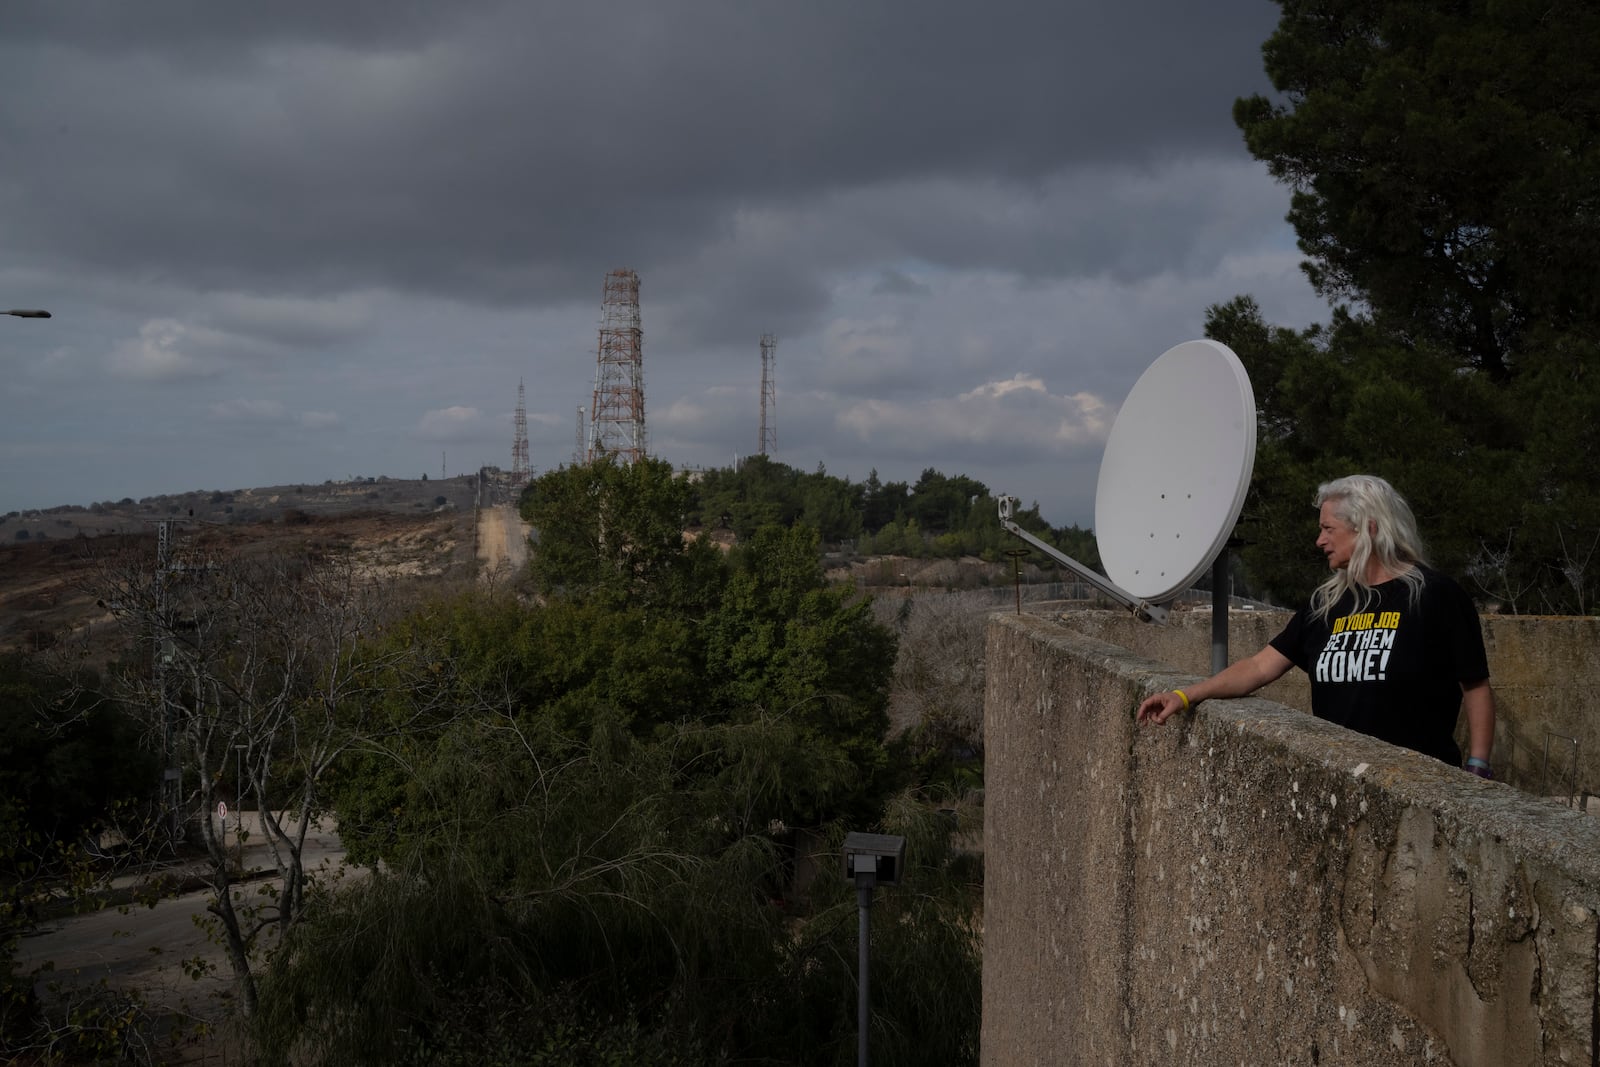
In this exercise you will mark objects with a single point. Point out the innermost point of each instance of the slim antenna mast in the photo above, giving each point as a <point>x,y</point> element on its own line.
<point>769,397</point>
<point>519,441</point>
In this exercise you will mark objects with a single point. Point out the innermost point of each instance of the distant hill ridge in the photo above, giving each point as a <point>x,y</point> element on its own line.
<point>229,506</point>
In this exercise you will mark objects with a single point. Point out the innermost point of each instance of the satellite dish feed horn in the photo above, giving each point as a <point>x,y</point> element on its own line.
<point>1173,478</point>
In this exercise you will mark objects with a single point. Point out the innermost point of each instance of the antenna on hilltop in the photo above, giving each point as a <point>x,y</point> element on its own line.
<point>519,440</point>
<point>769,396</point>
<point>577,440</point>
<point>616,418</point>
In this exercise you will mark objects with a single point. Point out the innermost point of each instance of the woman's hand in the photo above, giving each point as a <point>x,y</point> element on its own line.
<point>1161,707</point>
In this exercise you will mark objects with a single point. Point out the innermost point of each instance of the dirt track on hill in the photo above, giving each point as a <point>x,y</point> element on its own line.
<point>502,540</point>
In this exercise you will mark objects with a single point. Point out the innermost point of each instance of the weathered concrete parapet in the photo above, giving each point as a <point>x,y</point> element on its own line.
<point>1538,663</point>
<point>1251,885</point>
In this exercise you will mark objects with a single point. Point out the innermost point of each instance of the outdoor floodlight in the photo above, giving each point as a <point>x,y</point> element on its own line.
<point>870,860</point>
<point>877,857</point>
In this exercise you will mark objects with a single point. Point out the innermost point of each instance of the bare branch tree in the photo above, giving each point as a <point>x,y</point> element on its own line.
<point>1575,569</point>
<point>260,666</point>
<point>1492,569</point>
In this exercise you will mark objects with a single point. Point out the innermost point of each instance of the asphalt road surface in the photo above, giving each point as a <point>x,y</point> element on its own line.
<point>143,949</point>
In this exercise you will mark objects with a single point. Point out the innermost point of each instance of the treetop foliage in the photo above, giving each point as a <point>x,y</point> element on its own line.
<point>603,807</point>
<point>938,515</point>
<point>1446,191</point>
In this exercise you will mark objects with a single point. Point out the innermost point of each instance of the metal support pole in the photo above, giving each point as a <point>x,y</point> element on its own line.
<point>1219,612</point>
<point>1016,555</point>
<point>863,984</point>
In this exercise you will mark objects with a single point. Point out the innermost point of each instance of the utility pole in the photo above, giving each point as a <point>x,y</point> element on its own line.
<point>172,773</point>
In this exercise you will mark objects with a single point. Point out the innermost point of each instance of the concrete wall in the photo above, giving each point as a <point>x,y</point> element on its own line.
<point>1251,885</point>
<point>1546,674</point>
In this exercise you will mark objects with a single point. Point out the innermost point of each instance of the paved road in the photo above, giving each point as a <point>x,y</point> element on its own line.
<point>144,948</point>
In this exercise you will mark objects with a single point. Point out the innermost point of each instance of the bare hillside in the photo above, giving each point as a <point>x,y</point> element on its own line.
<point>48,586</point>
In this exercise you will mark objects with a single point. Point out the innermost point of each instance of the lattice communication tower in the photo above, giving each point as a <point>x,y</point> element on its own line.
<point>519,440</point>
<point>616,418</point>
<point>769,397</point>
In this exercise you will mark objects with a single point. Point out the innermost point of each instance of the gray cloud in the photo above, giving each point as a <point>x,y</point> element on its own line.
<point>331,237</point>
<point>498,153</point>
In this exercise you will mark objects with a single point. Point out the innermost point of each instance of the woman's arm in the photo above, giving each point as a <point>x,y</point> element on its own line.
<point>1477,700</point>
<point>1240,679</point>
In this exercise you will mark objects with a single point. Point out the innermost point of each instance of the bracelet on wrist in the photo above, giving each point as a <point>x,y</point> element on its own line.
<point>1181,695</point>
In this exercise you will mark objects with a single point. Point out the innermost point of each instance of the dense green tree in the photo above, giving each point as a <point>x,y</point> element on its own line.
<point>1444,162</point>
<point>832,508</point>
<point>636,878</point>
<point>564,664</point>
<point>883,503</point>
<point>71,763</point>
<point>785,642</point>
<point>942,504</point>
<point>1347,397</point>
<point>598,812</point>
<point>615,531</point>
<point>67,756</point>
<point>762,634</point>
<point>946,516</point>
<point>1446,177</point>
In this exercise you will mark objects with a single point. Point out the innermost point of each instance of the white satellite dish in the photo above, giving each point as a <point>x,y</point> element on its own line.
<point>1173,479</point>
<point>1176,469</point>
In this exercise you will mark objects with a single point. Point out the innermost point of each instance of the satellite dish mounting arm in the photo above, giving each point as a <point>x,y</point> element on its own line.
<point>1140,607</point>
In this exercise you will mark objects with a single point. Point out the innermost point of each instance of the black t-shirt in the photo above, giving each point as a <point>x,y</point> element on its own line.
<point>1394,668</point>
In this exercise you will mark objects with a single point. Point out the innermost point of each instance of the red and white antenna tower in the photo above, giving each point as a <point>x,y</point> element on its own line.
<point>616,419</point>
<point>769,397</point>
<point>519,442</point>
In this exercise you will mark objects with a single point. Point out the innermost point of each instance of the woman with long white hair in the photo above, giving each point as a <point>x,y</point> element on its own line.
<point>1393,648</point>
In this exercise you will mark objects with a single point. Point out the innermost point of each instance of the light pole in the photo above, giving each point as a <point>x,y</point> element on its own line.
<point>870,860</point>
<point>27,313</point>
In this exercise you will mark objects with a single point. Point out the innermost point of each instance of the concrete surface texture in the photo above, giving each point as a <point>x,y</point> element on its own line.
<point>1545,670</point>
<point>1250,885</point>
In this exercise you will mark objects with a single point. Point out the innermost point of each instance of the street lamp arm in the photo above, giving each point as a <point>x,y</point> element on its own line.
<point>27,313</point>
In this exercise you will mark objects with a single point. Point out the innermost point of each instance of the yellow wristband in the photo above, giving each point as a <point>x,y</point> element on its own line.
<point>1183,697</point>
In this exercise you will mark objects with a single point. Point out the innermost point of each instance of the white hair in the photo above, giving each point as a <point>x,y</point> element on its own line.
<point>1385,530</point>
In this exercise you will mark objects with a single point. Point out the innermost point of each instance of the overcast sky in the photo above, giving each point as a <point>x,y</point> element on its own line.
<point>304,240</point>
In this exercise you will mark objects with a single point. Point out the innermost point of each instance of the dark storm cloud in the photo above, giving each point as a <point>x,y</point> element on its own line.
<point>969,226</point>
<point>508,152</point>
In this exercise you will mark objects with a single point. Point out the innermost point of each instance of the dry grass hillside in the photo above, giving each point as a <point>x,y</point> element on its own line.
<point>419,531</point>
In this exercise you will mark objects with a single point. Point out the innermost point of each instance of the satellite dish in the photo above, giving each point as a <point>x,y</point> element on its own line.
<point>1176,468</point>
<point>1173,479</point>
